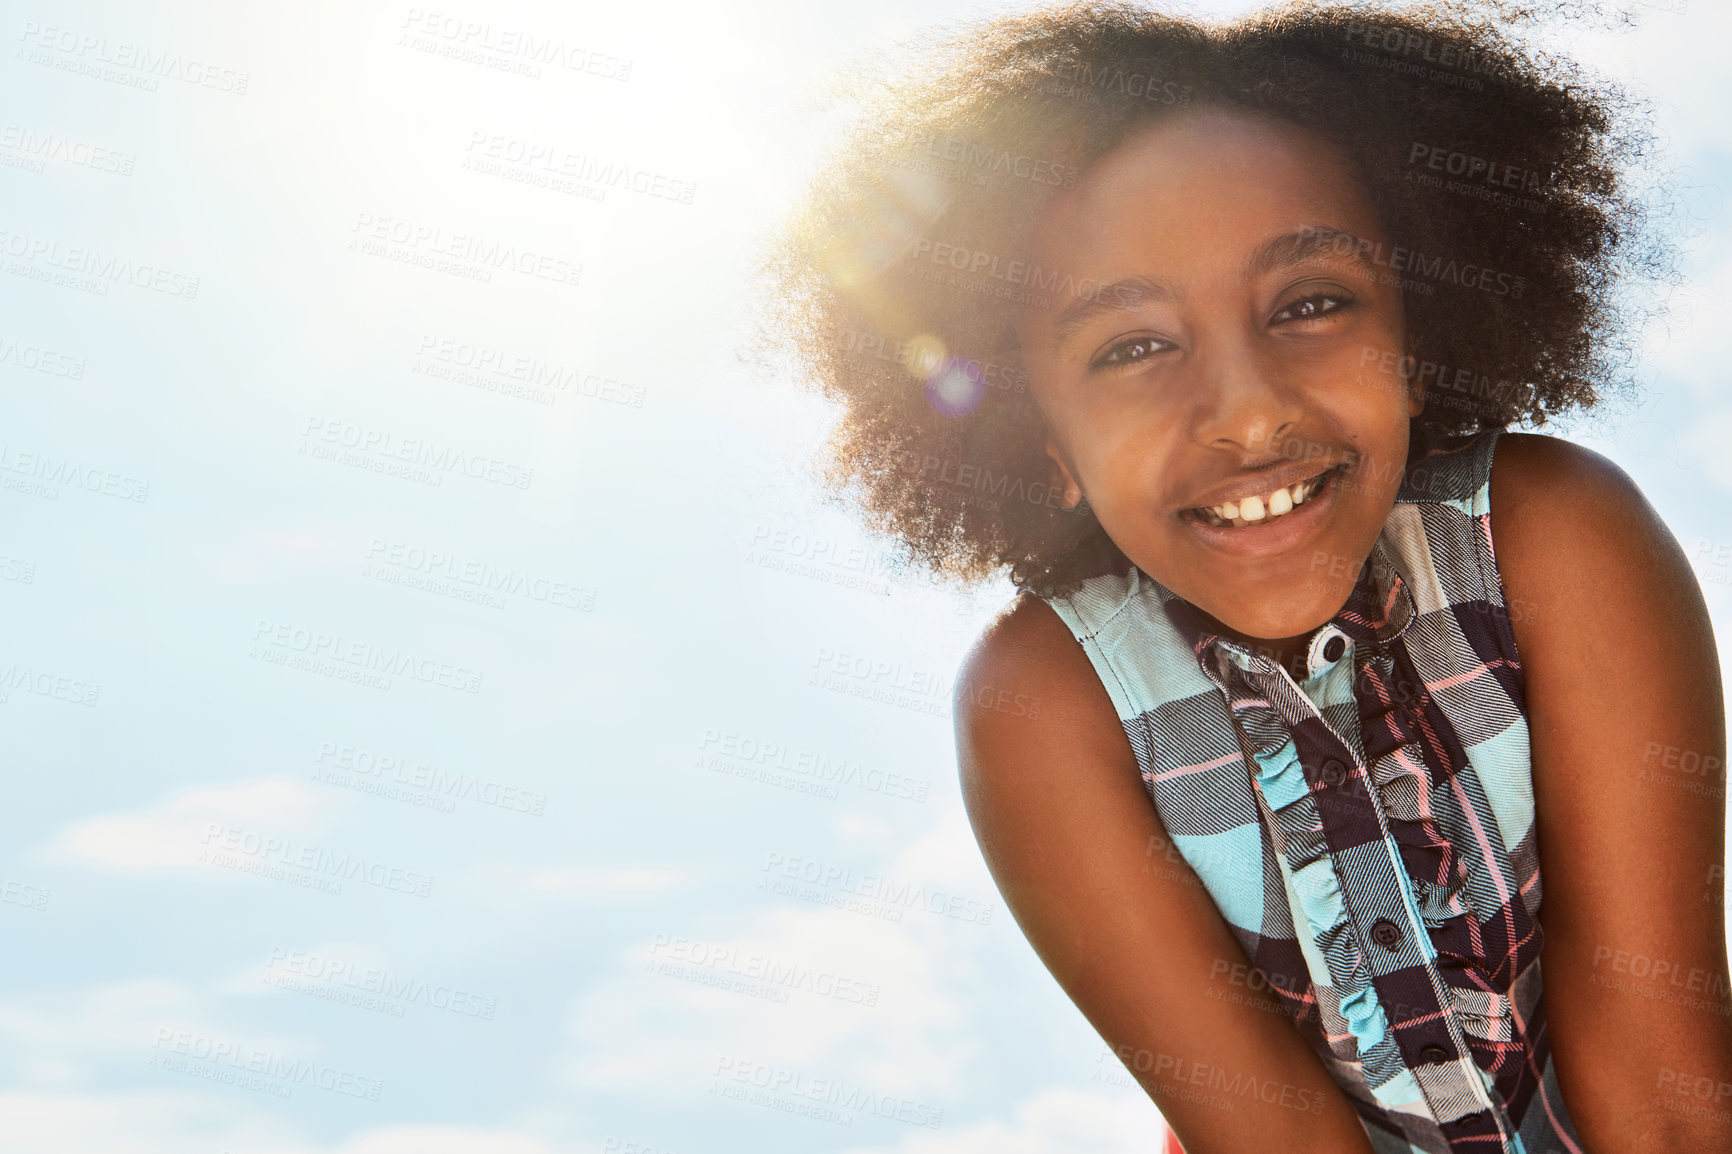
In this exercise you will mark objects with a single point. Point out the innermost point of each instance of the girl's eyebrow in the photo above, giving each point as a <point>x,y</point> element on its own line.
<point>1298,247</point>
<point>1119,296</point>
<point>1284,251</point>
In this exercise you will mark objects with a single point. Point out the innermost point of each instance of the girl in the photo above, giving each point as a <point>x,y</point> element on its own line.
<point>1209,335</point>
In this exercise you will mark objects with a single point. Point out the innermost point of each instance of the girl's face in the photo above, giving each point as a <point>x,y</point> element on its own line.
<point>1222,399</point>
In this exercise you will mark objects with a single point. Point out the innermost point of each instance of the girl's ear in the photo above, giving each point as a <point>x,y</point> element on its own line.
<point>1062,478</point>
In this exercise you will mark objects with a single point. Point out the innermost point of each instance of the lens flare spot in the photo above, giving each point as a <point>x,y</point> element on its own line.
<point>923,354</point>
<point>956,387</point>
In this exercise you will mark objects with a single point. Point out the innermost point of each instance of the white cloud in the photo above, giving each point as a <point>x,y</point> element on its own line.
<point>129,1123</point>
<point>62,1043</point>
<point>667,1018</point>
<point>1060,1120</point>
<point>323,961</point>
<point>168,836</point>
<point>57,1039</point>
<point>265,553</point>
<point>876,1003</point>
<point>560,882</point>
<point>434,1140</point>
<point>190,1123</point>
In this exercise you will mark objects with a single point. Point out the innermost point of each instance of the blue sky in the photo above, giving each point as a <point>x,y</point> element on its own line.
<point>441,714</point>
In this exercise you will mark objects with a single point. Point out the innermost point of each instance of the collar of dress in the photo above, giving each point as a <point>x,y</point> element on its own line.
<point>1377,612</point>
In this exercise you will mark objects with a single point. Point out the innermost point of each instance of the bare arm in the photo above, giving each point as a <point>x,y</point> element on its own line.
<point>1058,807</point>
<point>1628,731</point>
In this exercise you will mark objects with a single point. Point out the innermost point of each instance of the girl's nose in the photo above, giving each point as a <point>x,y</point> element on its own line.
<point>1242,405</point>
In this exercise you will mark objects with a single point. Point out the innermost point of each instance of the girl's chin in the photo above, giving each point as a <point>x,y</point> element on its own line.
<point>1296,594</point>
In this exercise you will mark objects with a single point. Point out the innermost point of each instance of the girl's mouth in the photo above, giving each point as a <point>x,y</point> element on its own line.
<point>1264,508</point>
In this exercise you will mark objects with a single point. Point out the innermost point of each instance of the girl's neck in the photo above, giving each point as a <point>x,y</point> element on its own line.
<point>1288,652</point>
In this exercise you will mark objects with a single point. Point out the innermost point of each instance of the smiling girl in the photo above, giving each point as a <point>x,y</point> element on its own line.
<point>1209,336</point>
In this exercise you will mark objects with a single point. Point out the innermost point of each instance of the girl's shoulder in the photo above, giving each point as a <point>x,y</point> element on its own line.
<point>1546,489</point>
<point>1027,679</point>
<point>1574,539</point>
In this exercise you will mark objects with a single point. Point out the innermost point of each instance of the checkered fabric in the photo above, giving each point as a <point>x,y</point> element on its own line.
<point>1366,831</point>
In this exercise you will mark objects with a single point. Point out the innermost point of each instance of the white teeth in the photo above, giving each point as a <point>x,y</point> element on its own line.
<point>1248,510</point>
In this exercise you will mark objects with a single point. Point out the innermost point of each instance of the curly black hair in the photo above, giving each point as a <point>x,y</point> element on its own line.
<point>1505,179</point>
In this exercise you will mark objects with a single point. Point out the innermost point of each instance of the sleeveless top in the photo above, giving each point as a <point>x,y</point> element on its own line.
<point>1367,832</point>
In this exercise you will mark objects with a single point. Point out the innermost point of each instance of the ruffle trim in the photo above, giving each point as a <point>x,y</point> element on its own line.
<point>1436,874</point>
<point>1401,781</point>
<point>1317,893</point>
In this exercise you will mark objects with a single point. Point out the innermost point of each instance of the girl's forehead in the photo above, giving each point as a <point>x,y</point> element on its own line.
<point>1193,173</point>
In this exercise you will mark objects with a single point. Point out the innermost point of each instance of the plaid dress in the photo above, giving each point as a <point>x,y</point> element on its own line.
<point>1367,831</point>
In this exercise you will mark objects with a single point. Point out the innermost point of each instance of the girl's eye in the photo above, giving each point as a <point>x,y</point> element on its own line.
<point>1129,352</point>
<point>1312,307</point>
